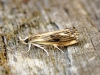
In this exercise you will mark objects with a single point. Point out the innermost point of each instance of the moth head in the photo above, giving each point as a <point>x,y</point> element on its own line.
<point>25,41</point>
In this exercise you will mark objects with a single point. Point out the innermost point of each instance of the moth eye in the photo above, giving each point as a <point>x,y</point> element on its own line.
<point>26,41</point>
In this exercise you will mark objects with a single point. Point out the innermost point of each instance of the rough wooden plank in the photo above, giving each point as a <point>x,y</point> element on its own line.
<point>4,67</point>
<point>90,40</point>
<point>88,52</point>
<point>37,16</point>
<point>93,9</point>
<point>79,60</point>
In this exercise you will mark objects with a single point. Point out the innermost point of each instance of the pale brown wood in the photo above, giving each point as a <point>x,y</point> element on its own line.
<point>93,9</point>
<point>21,18</point>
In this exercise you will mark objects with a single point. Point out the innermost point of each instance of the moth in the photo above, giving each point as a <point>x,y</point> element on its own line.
<point>64,37</point>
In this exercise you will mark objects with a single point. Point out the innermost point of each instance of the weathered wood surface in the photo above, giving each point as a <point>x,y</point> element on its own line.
<point>25,17</point>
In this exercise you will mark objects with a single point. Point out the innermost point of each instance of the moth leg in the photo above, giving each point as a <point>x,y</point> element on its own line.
<point>41,48</point>
<point>59,49</point>
<point>29,46</point>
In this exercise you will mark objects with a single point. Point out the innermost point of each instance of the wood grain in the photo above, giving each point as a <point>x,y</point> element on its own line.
<point>21,19</point>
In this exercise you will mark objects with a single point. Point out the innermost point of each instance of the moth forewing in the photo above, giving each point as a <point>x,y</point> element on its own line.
<point>56,38</point>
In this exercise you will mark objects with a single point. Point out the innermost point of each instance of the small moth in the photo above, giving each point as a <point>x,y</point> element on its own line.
<point>64,37</point>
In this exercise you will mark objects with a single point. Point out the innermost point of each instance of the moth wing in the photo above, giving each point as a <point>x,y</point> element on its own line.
<point>60,37</point>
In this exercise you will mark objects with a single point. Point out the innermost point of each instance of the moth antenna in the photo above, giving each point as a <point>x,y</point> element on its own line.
<point>59,49</point>
<point>41,48</point>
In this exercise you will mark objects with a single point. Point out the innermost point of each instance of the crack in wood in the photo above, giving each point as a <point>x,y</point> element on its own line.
<point>5,49</point>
